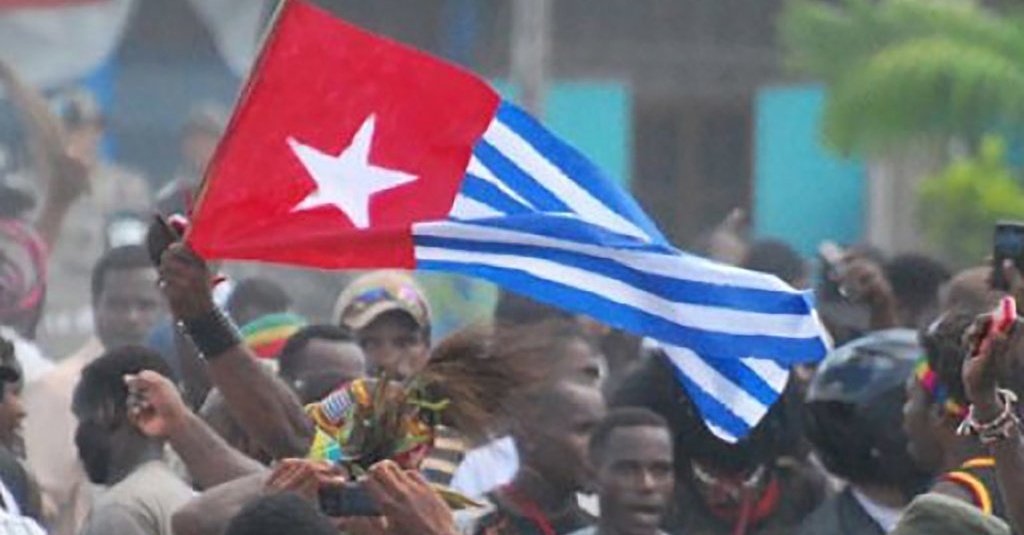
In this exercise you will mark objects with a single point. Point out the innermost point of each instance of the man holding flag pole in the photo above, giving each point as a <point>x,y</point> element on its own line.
<point>349,151</point>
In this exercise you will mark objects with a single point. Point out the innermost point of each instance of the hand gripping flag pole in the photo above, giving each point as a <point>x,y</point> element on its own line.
<point>350,151</point>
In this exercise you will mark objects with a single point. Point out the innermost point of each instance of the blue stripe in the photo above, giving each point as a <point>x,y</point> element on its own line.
<point>577,167</point>
<point>570,229</point>
<point>681,291</point>
<point>784,350</point>
<point>518,181</point>
<point>741,374</point>
<point>484,192</point>
<point>710,407</point>
<point>575,230</point>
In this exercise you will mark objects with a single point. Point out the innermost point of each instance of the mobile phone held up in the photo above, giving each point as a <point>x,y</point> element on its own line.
<point>1007,244</point>
<point>350,499</point>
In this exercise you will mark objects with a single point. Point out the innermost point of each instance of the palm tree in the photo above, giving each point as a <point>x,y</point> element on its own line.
<point>902,71</point>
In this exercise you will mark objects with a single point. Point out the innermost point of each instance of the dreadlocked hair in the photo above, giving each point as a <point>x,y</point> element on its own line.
<point>942,343</point>
<point>474,371</point>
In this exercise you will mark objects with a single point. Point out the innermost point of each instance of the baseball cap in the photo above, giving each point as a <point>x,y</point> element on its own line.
<point>373,294</point>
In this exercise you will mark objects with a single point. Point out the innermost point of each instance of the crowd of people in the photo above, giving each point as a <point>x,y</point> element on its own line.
<point>201,406</point>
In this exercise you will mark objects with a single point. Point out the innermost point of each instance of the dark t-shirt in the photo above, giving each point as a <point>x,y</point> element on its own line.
<point>18,481</point>
<point>503,520</point>
<point>801,489</point>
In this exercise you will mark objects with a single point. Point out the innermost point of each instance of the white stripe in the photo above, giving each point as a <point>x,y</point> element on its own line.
<point>705,318</point>
<point>479,170</point>
<point>776,376</point>
<point>721,433</point>
<point>728,393</point>
<point>579,200</point>
<point>666,265</point>
<point>467,208</point>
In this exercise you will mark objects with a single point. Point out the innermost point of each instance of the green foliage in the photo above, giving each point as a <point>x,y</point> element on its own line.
<point>901,70</point>
<point>958,208</point>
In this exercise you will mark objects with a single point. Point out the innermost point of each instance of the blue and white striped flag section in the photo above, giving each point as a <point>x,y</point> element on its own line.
<point>385,157</point>
<point>536,217</point>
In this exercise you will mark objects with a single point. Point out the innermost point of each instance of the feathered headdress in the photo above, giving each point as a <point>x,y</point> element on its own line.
<point>465,385</point>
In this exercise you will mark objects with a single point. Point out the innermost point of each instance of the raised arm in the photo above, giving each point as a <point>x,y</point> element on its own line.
<point>64,175</point>
<point>994,413</point>
<point>263,405</point>
<point>159,411</point>
<point>867,284</point>
<point>210,512</point>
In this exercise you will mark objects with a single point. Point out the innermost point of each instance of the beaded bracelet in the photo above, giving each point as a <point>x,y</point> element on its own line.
<point>997,429</point>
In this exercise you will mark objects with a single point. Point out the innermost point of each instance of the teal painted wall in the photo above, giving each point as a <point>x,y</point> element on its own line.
<point>596,117</point>
<point>803,194</point>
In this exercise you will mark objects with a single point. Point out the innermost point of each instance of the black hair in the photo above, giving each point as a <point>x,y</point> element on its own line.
<point>297,343</point>
<point>514,309</point>
<point>102,381</point>
<point>256,293</point>
<point>915,280</point>
<point>117,259</point>
<point>653,386</point>
<point>777,258</point>
<point>622,417</point>
<point>10,368</point>
<point>286,512</point>
<point>942,343</point>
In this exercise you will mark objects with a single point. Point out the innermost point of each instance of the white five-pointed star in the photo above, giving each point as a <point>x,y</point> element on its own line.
<point>347,180</point>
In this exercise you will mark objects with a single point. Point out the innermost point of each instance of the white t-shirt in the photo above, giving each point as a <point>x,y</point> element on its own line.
<point>487,467</point>
<point>11,520</point>
<point>33,364</point>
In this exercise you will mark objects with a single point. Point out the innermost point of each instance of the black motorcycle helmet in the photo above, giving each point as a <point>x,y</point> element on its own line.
<point>853,411</point>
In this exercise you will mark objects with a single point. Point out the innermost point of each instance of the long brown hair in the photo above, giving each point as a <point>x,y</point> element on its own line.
<point>477,369</point>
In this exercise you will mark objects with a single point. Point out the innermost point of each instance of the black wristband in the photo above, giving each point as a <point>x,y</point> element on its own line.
<point>212,333</point>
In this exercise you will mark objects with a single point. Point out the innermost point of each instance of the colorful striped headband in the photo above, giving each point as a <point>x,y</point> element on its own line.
<point>929,380</point>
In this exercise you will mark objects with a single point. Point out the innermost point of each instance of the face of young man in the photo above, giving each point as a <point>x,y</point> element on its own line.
<point>554,436</point>
<point>395,343</point>
<point>128,307</point>
<point>12,413</point>
<point>635,479</point>
<point>322,355</point>
<point>580,363</point>
<point>919,423</point>
<point>95,440</point>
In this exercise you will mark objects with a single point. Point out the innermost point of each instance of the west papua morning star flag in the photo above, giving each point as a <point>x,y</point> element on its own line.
<point>347,150</point>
